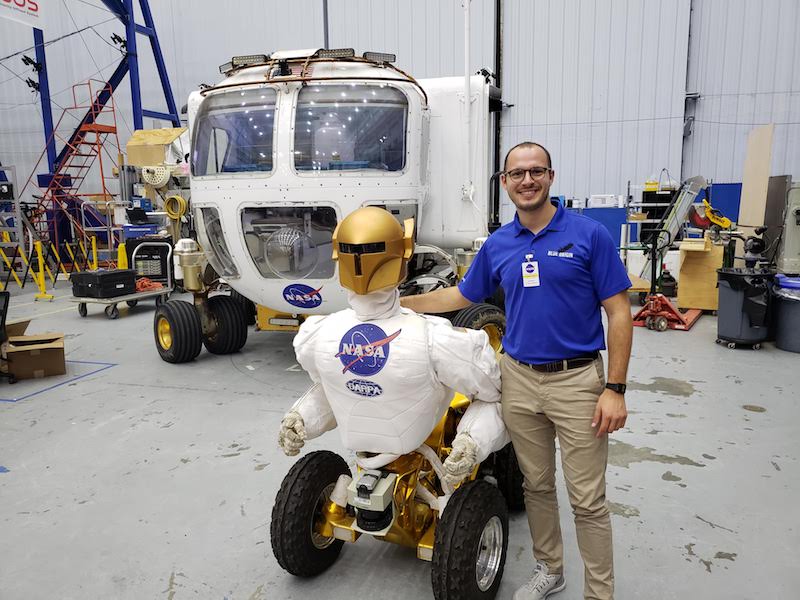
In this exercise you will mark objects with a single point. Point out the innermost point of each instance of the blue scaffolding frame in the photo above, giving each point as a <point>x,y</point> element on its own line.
<point>129,65</point>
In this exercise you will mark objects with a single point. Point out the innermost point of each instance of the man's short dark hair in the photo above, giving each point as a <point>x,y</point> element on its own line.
<point>528,145</point>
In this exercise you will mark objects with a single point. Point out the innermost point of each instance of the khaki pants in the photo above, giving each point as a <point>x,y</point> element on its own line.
<point>537,407</point>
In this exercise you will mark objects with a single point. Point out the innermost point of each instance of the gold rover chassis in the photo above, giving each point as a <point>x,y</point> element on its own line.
<point>415,523</point>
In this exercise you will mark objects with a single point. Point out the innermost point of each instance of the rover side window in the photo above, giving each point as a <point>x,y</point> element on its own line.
<point>233,133</point>
<point>291,242</point>
<point>350,127</point>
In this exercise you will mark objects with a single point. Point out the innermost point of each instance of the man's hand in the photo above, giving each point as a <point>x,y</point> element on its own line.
<point>292,436</point>
<point>462,459</point>
<point>610,413</point>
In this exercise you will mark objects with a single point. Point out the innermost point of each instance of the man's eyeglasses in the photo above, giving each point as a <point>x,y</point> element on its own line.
<point>536,173</point>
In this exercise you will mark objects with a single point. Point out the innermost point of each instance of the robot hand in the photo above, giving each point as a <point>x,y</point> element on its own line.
<point>292,436</point>
<point>462,459</point>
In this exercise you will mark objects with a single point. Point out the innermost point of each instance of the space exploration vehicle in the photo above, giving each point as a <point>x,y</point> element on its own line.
<point>288,144</point>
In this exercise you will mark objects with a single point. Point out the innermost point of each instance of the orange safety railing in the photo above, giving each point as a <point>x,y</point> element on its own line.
<point>90,152</point>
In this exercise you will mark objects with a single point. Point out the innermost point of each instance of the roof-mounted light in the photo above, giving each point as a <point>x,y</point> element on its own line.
<point>337,53</point>
<point>249,59</point>
<point>380,57</point>
<point>244,60</point>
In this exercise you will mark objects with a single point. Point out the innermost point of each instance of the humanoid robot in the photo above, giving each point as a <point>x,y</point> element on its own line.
<point>384,375</point>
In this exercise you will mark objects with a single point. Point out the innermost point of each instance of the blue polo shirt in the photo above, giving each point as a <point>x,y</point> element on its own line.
<point>578,268</point>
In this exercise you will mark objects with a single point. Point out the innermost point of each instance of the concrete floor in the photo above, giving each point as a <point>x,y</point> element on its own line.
<point>133,478</point>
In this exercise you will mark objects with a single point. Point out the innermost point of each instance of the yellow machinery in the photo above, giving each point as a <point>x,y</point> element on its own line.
<point>716,217</point>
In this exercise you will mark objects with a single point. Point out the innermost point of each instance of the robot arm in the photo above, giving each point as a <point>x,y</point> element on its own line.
<point>311,415</point>
<point>480,432</point>
<point>483,421</point>
<point>314,410</point>
<point>463,360</point>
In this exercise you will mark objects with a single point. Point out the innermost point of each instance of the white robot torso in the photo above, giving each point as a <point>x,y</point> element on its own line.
<point>386,376</point>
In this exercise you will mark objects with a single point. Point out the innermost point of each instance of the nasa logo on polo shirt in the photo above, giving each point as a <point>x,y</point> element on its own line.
<point>364,349</point>
<point>302,296</point>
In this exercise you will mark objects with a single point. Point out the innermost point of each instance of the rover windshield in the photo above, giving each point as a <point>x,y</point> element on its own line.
<point>350,127</point>
<point>233,133</point>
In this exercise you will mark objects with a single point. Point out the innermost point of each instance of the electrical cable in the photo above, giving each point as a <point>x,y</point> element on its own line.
<point>103,8</point>
<point>18,76</point>
<point>91,56</point>
<point>58,39</point>
<point>109,44</point>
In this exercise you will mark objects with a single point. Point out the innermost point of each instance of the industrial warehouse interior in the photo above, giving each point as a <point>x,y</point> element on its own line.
<point>264,332</point>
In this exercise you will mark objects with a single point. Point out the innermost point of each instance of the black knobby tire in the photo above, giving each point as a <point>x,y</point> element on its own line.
<point>509,477</point>
<point>231,326</point>
<point>248,306</point>
<point>296,507</point>
<point>186,336</point>
<point>458,542</point>
<point>486,317</point>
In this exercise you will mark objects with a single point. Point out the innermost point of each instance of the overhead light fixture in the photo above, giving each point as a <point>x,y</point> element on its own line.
<point>337,53</point>
<point>380,57</point>
<point>249,59</point>
<point>244,60</point>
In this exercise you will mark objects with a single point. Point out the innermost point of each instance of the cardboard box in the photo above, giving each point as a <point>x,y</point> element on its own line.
<point>35,356</point>
<point>17,327</point>
<point>148,147</point>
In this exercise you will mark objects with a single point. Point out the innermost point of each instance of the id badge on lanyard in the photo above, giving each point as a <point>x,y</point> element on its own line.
<point>530,272</point>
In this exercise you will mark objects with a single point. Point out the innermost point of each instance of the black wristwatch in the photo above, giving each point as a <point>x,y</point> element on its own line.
<point>617,387</point>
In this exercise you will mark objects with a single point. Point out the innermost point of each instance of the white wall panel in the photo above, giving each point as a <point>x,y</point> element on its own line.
<point>601,84</point>
<point>745,64</point>
<point>427,36</point>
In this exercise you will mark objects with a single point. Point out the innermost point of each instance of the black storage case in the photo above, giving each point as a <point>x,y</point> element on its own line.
<point>103,284</point>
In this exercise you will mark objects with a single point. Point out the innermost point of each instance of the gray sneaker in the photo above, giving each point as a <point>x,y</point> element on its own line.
<point>541,585</point>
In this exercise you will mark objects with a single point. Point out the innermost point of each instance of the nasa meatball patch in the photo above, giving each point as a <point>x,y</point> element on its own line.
<point>364,349</point>
<point>302,296</point>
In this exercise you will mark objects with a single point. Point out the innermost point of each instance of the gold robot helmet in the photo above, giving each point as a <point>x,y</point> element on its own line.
<point>372,249</point>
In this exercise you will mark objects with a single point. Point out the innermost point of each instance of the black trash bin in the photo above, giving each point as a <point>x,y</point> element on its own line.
<point>787,298</point>
<point>744,306</point>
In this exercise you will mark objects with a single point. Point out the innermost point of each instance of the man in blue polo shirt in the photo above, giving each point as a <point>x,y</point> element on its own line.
<point>557,269</point>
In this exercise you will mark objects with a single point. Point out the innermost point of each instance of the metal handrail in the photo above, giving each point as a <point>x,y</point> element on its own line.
<point>110,227</point>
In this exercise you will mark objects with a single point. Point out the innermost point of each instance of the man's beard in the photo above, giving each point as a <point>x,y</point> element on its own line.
<point>534,204</point>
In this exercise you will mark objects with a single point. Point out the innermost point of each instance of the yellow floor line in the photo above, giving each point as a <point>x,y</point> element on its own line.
<point>38,302</point>
<point>44,314</point>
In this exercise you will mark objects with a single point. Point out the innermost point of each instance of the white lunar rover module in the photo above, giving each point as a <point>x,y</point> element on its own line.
<point>286,146</point>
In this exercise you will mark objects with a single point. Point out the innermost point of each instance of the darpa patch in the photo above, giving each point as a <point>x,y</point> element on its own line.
<point>364,349</point>
<point>364,388</point>
<point>302,296</point>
